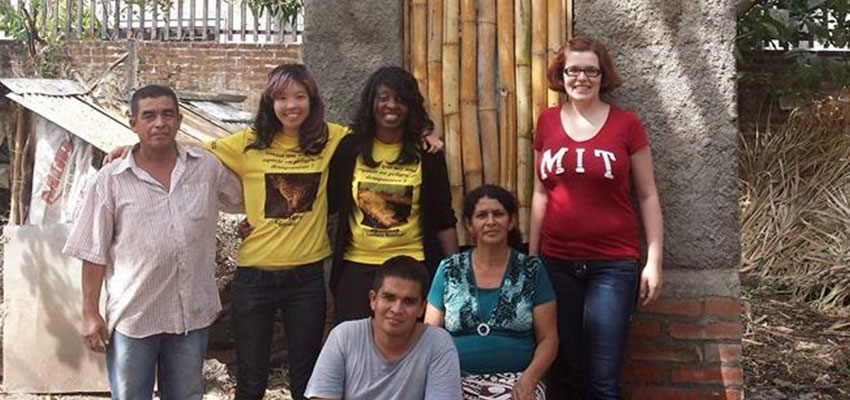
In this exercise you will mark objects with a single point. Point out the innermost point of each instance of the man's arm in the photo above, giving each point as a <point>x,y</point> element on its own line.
<point>94,327</point>
<point>328,378</point>
<point>443,382</point>
<point>230,199</point>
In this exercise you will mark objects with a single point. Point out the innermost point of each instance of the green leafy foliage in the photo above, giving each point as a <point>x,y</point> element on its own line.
<point>282,10</point>
<point>780,25</point>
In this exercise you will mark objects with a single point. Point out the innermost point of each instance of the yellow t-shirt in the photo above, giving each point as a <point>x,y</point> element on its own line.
<point>385,218</point>
<point>285,195</point>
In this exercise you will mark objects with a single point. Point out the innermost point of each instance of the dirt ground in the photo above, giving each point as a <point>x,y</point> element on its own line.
<point>792,351</point>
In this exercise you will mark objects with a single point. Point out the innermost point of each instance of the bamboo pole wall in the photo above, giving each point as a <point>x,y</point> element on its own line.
<point>481,65</point>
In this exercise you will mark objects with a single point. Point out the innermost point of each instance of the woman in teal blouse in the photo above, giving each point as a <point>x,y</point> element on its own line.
<point>497,303</point>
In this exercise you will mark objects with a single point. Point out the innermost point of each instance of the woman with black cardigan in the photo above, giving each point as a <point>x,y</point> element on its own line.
<point>393,197</point>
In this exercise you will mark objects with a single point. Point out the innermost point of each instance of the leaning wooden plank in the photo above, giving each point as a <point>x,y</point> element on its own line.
<point>487,104</point>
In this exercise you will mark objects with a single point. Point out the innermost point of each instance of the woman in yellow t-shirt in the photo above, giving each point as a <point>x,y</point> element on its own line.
<point>394,197</point>
<point>283,162</point>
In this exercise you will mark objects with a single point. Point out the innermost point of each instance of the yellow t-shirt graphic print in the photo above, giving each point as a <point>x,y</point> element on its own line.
<point>385,220</point>
<point>285,195</point>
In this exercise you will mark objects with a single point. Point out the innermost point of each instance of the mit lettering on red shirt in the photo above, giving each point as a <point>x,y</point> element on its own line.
<point>589,213</point>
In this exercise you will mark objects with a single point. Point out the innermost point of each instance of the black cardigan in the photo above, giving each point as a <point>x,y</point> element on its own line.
<point>435,204</point>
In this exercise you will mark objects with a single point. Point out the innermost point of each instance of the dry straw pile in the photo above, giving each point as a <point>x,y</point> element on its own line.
<point>795,202</point>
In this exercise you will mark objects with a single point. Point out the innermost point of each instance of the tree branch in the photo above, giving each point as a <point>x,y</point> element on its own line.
<point>742,6</point>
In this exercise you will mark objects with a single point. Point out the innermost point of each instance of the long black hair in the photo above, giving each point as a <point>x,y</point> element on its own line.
<point>417,121</point>
<point>505,198</point>
<point>313,134</point>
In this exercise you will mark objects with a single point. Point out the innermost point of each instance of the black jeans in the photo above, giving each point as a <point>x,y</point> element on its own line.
<point>351,297</point>
<point>299,292</point>
<point>595,304</point>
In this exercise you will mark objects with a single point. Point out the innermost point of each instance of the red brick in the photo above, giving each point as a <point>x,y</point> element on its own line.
<point>645,329</point>
<point>722,306</point>
<point>708,374</point>
<point>717,330</point>
<point>641,373</point>
<point>661,393</point>
<point>691,308</point>
<point>727,394</point>
<point>726,353</point>
<point>663,352</point>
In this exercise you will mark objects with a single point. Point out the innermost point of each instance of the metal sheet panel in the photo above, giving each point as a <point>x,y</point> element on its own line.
<point>87,121</point>
<point>52,87</point>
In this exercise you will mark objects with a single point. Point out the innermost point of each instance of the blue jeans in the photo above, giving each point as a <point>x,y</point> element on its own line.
<point>299,292</point>
<point>595,304</point>
<point>178,361</point>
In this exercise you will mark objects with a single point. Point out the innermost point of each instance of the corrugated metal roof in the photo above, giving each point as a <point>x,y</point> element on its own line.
<point>51,87</point>
<point>222,114</point>
<point>76,115</point>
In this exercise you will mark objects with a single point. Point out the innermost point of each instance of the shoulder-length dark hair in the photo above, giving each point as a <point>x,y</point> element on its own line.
<point>417,121</point>
<point>313,134</point>
<point>555,74</point>
<point>505,198</point>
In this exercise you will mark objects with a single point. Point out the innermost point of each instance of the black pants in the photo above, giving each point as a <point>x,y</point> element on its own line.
<point>299,292</point>
<point>351,297</point>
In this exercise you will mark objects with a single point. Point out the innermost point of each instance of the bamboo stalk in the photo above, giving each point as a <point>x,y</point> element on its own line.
<point>555,36</point>
<point>470,138</point>
<point>567,20</point>
<point>419,43</point>
<point>435,65</point>
<point>451,107</point>
<point>522,18</point>
<point>507,95</point>
<point>487,103</point>
<point>17,163</point>
<point>539,91</point>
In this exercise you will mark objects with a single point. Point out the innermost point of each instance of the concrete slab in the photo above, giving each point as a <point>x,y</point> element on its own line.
<point>43,351</point>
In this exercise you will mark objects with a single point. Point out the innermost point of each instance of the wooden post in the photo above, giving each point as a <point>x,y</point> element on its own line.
<point>522,16</point>
<point>155,23</point>
<point>419,43</point>
<point>142,11</point>
<point>507,95</point>
<point>129,21</point>
<point>192,30</point>
<point>180,19</point>
<point>470,138</point>
<point>93,17</point>
<point>487,105</point>
<point>435,64</point>
<point>451,107</point>
<point>69,16</point>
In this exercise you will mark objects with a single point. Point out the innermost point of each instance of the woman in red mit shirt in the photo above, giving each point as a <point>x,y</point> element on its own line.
<point>589,155</point>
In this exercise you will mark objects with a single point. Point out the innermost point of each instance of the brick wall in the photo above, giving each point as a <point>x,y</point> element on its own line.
<point>762,72</point>
<point>13,61</point>
<point>686,349</point>
<point>198,67</point>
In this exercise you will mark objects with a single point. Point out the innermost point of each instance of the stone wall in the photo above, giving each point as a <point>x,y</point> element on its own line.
<point>678,67</point>
<point>344,41</point>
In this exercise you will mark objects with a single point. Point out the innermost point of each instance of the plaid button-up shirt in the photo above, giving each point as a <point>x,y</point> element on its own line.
<point>158,244</point>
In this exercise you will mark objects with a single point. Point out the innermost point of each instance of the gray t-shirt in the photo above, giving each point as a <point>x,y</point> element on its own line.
<point>350,367</point>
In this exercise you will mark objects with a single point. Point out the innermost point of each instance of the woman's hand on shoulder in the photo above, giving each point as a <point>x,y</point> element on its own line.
<point>114,154</point>
<point>524,388</point>
<point>650,283</point>
<point>431,143</point>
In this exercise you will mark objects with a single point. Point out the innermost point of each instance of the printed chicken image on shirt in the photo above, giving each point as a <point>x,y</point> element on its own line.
<point>290,194</point>
<point>384,206</point>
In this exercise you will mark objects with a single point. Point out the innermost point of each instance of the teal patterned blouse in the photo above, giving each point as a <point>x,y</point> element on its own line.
<point>506,310</point>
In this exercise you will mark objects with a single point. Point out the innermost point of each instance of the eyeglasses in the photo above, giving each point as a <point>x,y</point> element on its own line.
<point>590,72</point>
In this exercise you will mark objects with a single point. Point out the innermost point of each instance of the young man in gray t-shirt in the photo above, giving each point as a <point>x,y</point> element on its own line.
<point>392,355</point>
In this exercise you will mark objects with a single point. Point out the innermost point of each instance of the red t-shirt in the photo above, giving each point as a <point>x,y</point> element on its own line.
<point>589,213</point>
